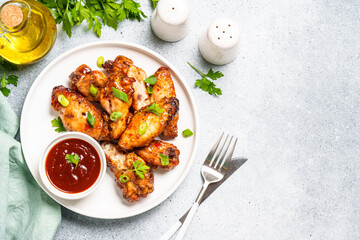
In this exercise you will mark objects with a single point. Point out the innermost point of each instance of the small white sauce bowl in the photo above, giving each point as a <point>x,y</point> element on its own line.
<point>51,187</point>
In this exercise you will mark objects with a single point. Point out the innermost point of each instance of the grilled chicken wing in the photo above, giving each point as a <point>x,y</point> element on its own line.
<point>74,115</point>
<point>83,77</point>
<point>151,154</point>
<point>113,104</point>
<point>155,125</point>
<point>164,87</point>
<point>120,163</point>
<point>125,66</point>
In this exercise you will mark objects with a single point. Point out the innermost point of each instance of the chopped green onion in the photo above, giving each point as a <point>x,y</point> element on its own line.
<point>151,80</point>
<point>63,100</point>
<point>164,159</point>
<point>90,119</point>
<point>187,133</point>
<point>150,90</point>
<point>124,179</point>
<point>115,116</point>
<point>142,128</point>
<point>120,94</point>
<point>93,90</point>
<point>100,62</point>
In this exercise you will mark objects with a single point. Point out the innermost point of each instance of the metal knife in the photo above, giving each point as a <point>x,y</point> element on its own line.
<point>235,164</point>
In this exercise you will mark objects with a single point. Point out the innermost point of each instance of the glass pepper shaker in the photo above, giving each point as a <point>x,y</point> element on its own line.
<point>27,31</point>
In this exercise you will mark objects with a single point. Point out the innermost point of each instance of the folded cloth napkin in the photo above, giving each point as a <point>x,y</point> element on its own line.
<point>26,211</point>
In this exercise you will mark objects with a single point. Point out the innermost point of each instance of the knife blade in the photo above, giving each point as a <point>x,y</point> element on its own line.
<point>235,164</point>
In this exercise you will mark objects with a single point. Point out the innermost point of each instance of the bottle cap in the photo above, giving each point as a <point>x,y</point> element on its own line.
<point>11,15</point>
<point>220,43</point>
<point>170,20</point>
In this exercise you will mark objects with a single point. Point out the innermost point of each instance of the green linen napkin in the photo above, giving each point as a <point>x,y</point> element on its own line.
<point>26,211</point>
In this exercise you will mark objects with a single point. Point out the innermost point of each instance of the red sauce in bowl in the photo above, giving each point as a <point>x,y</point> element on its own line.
<point>64,175</point>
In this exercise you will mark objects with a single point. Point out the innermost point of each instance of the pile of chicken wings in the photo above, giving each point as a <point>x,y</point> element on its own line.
<point>121,139</point>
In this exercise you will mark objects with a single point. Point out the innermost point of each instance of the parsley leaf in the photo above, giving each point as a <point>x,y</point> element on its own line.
<point>155,109</point>
<point>90,119</point>
<point>151,80</point>
<point>120,94</point>
<point>164,159</point>
<point>207,85</point>
<point>95,12</point>
<point>57,123</point>
<point>7,79</point>
<point>73,159</point>
<point>154,2</point>
<point>140,169</point>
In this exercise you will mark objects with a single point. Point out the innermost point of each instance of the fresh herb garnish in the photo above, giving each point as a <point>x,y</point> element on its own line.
<point>142,129</point>
<point>7,79</point>
<point>207,85</point>
<point>151,80</point>
<point>140,169</point>
<point>95,12</point>
<point>155,109</point>
<point>73,159</point>
<point>154,2</point>
<point>120,94</point>
<point>124,179</point>
<point>150,90</point>
<point>115,116</point>
<point>63,100</point>
<point>164,159</point>
<point>58,125</point>
<point>100,61</point>
<point>90,119</point>
<point>187,133</point>
<point>93,90</point>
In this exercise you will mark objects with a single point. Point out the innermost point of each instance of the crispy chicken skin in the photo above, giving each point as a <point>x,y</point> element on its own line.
<point>120,163</point>
<point>113,104</point>
<point>83,77</point>
<point>125,66</point>
<point>151,153</point>
<point>164,87</point>
<point>74,115</point>
<point>156,124</point>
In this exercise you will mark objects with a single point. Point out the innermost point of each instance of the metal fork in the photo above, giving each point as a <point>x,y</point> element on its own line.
<point>212,170</point>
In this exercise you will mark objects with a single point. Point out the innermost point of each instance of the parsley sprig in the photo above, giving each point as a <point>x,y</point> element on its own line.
<point>154,2</point>
<point>155,109</point>
<point>58,125</point>
<point>73,158</point>
<point>95,12</point>
<point>140,169</point>
<point>7,79</point>
<point>205,83</point>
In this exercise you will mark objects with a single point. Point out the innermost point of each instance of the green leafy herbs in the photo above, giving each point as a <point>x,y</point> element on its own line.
<point>58,125</point>
<point>151,80</point>
<point>140,168</point>
<point>120,94</point>
<point>96,13</point>
<point>155,109</point>
<point>164,159</point>
<point>90,119</point>
<point>154,2</point>
<point>73,158</point>
<point>206,84</point>
<point>187,133</point>
<point>5,78</point>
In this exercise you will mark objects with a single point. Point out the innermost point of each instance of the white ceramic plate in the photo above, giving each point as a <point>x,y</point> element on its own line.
<point>36,130</point>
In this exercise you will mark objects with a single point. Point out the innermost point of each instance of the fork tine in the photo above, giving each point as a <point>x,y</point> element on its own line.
<point>221,159</point>
<point>216,159</point>
<point>212,152</point>
<point>225,165</point>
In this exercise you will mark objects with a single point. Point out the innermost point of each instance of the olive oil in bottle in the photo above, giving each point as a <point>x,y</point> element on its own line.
<point>27,31</point>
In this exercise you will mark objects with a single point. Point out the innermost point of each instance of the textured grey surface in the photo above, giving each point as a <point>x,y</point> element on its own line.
<point>292,97</point>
